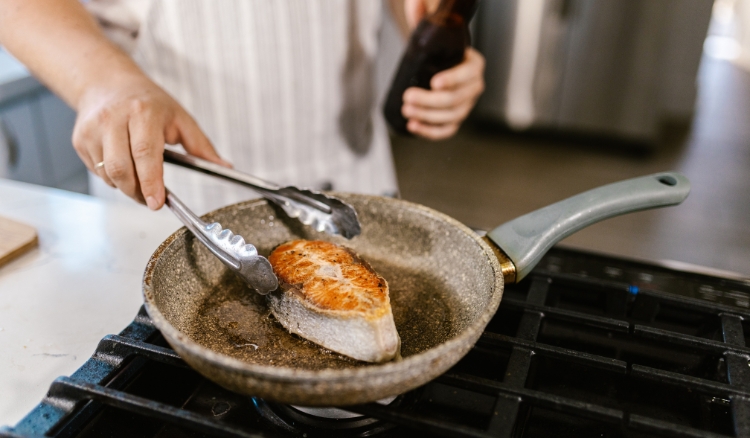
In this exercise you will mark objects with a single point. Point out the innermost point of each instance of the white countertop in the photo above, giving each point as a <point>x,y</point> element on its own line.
<point>82,283</point>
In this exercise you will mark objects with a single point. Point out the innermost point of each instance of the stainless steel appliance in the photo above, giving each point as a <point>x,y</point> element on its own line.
<point>612,67</point>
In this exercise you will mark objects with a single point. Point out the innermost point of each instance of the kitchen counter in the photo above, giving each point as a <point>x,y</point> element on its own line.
<point>82,283</point>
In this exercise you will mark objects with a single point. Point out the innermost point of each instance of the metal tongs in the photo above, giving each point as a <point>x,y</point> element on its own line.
<point>324,213</point>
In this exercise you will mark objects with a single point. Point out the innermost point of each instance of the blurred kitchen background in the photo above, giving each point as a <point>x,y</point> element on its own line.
<point>580,93</point>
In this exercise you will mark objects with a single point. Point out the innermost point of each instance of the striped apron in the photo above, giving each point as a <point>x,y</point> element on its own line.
<point>283,89</point>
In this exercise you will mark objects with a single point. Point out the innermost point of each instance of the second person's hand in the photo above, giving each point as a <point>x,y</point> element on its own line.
<point>124,124</point>
<point>437,113</point>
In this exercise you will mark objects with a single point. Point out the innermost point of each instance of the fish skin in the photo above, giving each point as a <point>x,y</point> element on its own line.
<point>332,297</point>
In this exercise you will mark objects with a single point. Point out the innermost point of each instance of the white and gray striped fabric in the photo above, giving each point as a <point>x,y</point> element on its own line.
<point>284,89</point>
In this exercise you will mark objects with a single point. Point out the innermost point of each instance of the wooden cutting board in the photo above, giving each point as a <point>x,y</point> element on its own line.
<point>15,239</point>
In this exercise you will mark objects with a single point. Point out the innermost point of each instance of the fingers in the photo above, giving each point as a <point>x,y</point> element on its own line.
<point>439,112</point>
<point>437,116</point>
<point>125,127</point>
<point>146,150</point>
<point>89,149</point>
<point>186,132</point>
<point>101,172</point>
<point>432,132</point>
<point>441,99</point>
<point>118,162</point>
<point>125,150</point>
<point>148,133</point>
<point>471,69</point>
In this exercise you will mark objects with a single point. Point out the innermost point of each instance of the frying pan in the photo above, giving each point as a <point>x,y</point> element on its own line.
<point>445,282</point>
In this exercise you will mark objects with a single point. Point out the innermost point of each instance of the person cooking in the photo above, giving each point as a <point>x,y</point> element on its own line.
<point>283,90</point>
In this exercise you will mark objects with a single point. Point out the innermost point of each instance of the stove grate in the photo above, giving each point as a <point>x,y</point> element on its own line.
<point>569,353</point>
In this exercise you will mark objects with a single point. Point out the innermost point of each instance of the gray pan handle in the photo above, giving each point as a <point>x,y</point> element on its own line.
<point>527,238</point>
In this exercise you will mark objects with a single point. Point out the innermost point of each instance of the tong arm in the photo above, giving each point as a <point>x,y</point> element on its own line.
<point>268,189</point>
<point>231,249</point>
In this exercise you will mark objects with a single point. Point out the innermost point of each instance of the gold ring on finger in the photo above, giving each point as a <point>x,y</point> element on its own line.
<point>98,166</point>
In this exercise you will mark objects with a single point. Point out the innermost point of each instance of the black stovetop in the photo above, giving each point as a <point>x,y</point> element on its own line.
<point>587,345</point>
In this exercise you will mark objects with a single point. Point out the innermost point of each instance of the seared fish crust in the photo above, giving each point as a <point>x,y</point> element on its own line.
<point>332,297</point>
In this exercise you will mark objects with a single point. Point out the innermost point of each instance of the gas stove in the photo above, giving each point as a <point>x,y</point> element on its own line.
<point>587,345</point>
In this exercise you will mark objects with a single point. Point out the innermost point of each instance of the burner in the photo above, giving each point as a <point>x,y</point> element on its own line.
<point>336,413</point>
<point>327,421</point>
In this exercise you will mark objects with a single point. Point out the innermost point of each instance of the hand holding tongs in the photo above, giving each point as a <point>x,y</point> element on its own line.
<point>322,212</point>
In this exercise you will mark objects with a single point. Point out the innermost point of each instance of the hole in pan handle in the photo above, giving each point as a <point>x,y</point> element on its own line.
<point>527,238</point>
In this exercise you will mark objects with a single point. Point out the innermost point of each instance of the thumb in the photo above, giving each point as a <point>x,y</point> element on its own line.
<point>187,132</point>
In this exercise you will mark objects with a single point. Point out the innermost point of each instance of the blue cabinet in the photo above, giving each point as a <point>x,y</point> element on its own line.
<point>36,128</point>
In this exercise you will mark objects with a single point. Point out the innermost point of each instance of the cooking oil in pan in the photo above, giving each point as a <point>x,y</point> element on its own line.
<point>236,321</point>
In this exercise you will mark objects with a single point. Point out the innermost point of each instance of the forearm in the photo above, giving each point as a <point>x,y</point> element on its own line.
<point>63,46</point>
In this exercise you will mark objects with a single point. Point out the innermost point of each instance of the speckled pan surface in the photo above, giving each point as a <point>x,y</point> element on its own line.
<point>444,288</point>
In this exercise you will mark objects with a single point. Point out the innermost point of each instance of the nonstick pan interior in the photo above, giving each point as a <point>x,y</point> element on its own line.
<point>443,287</point>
